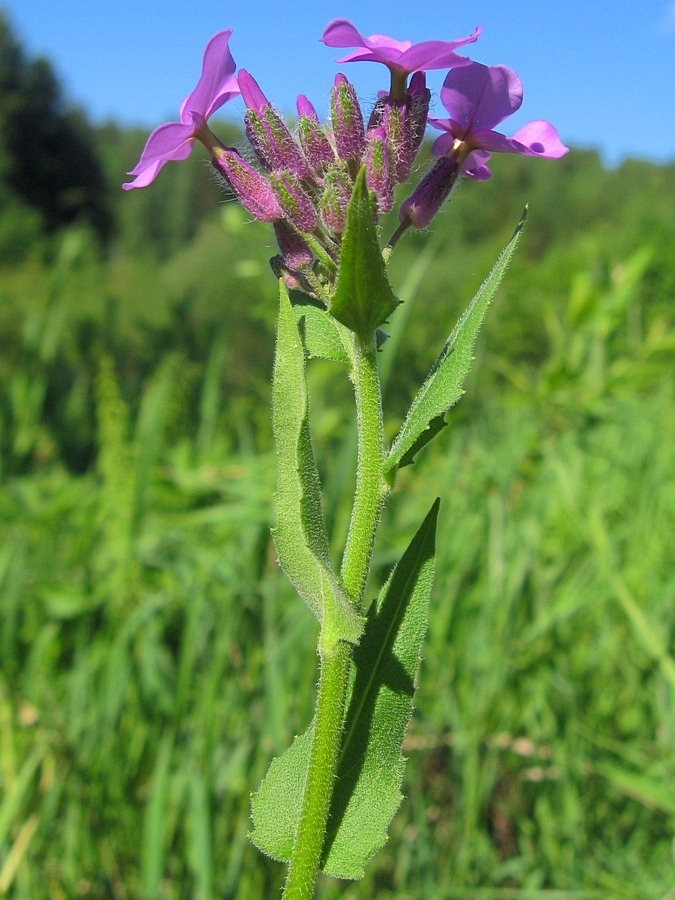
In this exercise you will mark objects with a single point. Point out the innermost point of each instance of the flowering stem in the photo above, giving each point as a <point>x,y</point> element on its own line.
<point>371,486</point>
<point>328,719</point>
<point>336,658</point>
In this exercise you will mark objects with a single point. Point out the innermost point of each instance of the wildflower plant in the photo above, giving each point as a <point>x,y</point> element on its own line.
<point>326,804</point>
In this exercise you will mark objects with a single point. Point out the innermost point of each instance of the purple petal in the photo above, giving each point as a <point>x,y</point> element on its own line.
<point>474,166</point>
<point>444,144</point>
<point>171,141</point>
<point>480,96</point>
<point>305,108</point>
<point>436,54</point>
<point>401,55</point>
<point>217,83</point>
<point>539,138</point>
<point>341,33</point>
<point>250,91</point>
<point>493,141</point>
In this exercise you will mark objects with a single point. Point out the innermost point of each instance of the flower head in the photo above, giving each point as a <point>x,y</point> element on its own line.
<point>401,57</point>
<point>478,98</point>
<point>174,140</point>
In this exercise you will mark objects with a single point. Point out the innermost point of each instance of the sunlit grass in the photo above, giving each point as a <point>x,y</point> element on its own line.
<point>153,659</point>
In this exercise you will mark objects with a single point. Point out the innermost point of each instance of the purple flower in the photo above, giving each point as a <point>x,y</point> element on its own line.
<point>478,98</point>
<point>174,140</point>
<point>401,57</point>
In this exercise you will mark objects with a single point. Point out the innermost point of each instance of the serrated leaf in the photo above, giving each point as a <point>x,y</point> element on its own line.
<point>368,785</point>
<point>320,333</point>
<point>443,386</point>
<point>276,806</point>
<point>363,298</point>
<point>300,532</point>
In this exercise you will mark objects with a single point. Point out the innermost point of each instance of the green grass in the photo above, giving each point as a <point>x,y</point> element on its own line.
<point>153,659</point>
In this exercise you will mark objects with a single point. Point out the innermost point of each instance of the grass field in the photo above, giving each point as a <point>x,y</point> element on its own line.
<point>154,659</point>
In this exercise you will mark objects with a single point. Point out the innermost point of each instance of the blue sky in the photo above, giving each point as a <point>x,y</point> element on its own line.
<point>602,72</point>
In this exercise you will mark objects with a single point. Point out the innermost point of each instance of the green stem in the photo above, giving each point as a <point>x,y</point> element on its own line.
<point>371,486</point>
<point>330,711</point>
<point>371,491</point>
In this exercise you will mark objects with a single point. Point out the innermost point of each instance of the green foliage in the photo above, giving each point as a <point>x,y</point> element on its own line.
<point>320,334</point>
<point>443,386</point>
<point>363,298</point>
<point>368,786</point>
<point>47,157</point>
<point>153,658</point>
<point>543,729</point>
<point>300,533</point>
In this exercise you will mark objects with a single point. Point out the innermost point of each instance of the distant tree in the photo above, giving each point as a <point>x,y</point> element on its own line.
<point>47,157</point>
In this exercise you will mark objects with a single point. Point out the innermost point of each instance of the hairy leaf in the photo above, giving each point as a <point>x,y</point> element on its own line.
<point>320,333</point>
<point>368,785</point>
<point>300,532</point>
<point>363,297</point>
<point>443,386</point>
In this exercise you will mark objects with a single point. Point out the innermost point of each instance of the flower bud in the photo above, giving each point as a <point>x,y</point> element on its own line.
<point>417,110</point>
<point>430,194</point>
<point>347,120</point>
<point>249,186</point>
<point>378,175</point>
<point>315,144</point>
<point>273,143</point>
<point>305,108</point>
<point>394,124</point>
<point>335,199</point>
<point>292,280</point>
<point>266,131</point>
<point>294,250</point>
<point>297,206</point>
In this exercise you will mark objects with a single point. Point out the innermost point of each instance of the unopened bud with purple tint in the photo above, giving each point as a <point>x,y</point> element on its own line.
<point>430,194</point>
<point>347,121</point>
<point>271,140</point>
<point>250,188</point>
<point>417,111</point>
<point>294,249</point>
<point>314,141</point>
<point>336,195</point>
<point>394,125</point>
<point>296,204</point>
<point>378,171</point>
<point>293,280</point>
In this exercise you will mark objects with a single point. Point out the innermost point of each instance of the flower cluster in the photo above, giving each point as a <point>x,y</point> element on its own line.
<point>305,177</point>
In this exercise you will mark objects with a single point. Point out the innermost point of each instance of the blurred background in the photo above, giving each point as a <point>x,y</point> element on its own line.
<point>152,658</point>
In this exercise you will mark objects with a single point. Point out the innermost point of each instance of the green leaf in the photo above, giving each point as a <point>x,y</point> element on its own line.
<point>300,533</point>
<point>276,806</point>
<point>363,297</point>
<point>368,786</point>
<point>443,386</point>
<point>320,333</point>
<point>652,792</point>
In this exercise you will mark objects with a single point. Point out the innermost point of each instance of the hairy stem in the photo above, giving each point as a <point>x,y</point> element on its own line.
<point>371,486</point>
<point>328,719</point>
<point>371,491</point>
